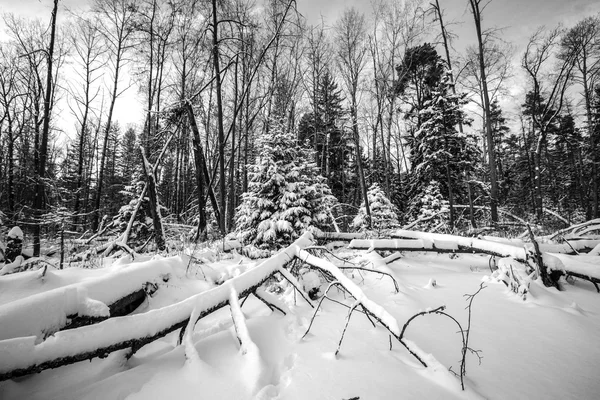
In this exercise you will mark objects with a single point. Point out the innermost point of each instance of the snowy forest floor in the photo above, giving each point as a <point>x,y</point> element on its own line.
<point>542,347</point>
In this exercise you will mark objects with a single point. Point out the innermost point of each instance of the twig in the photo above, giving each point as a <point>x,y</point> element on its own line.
<point>332,284</point>
<point>290,278</point>
<point>377,272</point>
<point>272,306</point>
<point>352,308</point>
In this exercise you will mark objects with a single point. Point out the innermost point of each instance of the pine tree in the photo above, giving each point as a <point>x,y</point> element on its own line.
<point>323,133</point>
<point>383,213</point>
<point>438,151</point>
<point>430,207</point>
<point>286,195</point>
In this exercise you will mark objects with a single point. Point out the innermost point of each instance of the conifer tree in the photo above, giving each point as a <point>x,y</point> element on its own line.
<point>383,213</point>
<point>286,195</point>
<point>323,132</point>
<point>430,207</point>
<point>438,151</point>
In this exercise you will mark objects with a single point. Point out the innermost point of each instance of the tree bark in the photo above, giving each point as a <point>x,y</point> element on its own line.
<point>221,132</point>
<point>40,193</point>
<point>487,115</point>
<point>159,233</point>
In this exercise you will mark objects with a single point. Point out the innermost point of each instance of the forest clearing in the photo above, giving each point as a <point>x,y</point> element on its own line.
<point>238,199</point>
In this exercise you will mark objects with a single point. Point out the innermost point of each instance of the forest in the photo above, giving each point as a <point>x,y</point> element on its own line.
<point>380,99</point>
<point>283,170</point>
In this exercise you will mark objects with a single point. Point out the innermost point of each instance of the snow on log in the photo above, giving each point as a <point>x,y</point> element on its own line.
<point>585,267</point>
<point>91,300</point>
<point>467,244</point>
<point>341,236</point>
<point>576,230</point>
<point>569,247</point>
<point>23,356</point>
<point>404,245</point>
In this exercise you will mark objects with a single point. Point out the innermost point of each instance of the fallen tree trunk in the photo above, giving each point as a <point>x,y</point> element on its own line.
<point>341,236</point>
<point>575,229</point>
<point>583,267</point>
<point>22,356</point>
<point>440,243</point>
<point>90,301</point>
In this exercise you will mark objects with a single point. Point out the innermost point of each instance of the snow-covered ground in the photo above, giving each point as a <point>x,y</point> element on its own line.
<point>543,347</point>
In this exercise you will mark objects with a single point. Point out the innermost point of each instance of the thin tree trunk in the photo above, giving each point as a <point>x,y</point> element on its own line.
<point>221,132</point>
<point>107,128</point>
<point>40,200</point>
<point>159,233</point>
<point>200,167</point>
<point>361,174</point>
<point>486,105</point>
<point>231,207</point>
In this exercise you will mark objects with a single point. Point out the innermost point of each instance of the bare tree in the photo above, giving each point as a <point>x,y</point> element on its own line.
<point>584,40</point>
<point>117,31</point>
<point>85,40</point>
<point>547,95</point>
<point>476,11</point>
<point>39,203</point>
<point>351,51</point>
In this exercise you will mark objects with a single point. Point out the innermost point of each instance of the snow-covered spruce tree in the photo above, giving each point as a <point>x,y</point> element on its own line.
<point>286,195</point>
<point>430,207</point>
<point>383,213</point>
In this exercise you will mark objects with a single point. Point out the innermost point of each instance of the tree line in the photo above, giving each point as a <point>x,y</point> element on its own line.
<point>375,98</point>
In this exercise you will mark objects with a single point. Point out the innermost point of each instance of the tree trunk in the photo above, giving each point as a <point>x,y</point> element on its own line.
<point>221,133</point>
<point>107,128</point>
<point>486,105</point>
<point>200,167</point>
<point>159,233</point>
<point>40,193</point>
<point>232,191</point>
<point>361,174</point>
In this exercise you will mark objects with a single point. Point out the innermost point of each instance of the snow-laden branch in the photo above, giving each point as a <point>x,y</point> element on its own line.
<point>375,310</point>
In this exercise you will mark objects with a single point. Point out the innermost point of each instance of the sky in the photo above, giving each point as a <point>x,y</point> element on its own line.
<point>518,18</point>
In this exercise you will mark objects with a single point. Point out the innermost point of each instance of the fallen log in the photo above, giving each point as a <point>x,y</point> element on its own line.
<point>339,236</point>
<point>576,229</point>
<point>584,267</point>
<point>93,300</point>
<point>440,243</point>
<point>22,356</point>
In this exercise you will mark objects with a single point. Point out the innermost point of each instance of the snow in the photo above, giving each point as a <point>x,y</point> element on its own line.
<point>12,266</point>
<point>25,351</point>
<point>50,310</point>
<point>391,244</point>
<point>540,347</point>
<point>585,265</point>
<point>505,249</point>
<point>15,233</point>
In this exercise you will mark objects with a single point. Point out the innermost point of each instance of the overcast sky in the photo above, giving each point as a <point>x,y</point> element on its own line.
<point>519,18</point>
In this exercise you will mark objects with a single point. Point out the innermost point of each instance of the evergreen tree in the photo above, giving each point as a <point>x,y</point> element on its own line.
<point>383,213</point>
<point>419,73</point>
<point>286,196</point>
<point>430,207</point>
<point>500,132</point>
<point>438,151</point>
<point>323,132</point>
